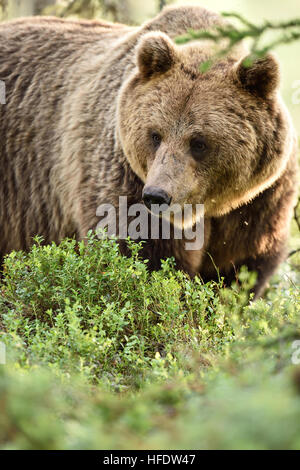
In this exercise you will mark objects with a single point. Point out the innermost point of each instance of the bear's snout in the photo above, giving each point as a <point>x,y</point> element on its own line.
<point>154,195</point>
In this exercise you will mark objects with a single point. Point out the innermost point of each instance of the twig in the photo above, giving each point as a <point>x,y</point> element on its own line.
<point>296,217</point>
<point>293,252</point>
<point>162,4</point>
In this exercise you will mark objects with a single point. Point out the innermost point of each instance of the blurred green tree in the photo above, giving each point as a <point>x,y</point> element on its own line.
<point>123,11</point>
<point>115,10</point>
<point>15,8</point>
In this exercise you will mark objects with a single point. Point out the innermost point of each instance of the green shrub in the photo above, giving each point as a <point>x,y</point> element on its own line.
<point>103,354</point>
<point>88,309</point>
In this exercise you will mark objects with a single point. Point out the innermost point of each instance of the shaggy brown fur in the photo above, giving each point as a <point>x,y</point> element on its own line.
<point>83,99</point>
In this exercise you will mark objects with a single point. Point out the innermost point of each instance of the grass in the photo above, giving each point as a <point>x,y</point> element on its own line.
<point>103,354</point>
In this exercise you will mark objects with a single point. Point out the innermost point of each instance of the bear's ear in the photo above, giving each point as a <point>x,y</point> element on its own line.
<point>155,54</point>
<point>260,77</point>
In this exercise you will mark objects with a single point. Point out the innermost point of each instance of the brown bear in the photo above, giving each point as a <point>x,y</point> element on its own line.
<point>95,111</point>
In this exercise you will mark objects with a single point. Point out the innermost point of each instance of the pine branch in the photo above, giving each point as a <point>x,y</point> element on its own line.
<point>290,32</point>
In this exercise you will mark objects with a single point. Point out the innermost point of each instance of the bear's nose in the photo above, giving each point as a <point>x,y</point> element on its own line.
<point>153,195</point>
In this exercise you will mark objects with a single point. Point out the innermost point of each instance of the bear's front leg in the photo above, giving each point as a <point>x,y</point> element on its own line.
<point>264,266</point>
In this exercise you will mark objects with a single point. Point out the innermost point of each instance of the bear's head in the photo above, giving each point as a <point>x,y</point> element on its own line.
<point>217,138</point>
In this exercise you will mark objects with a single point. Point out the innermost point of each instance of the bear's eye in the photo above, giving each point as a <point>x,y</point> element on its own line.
<point>156,139</point>
<point>198,147</point>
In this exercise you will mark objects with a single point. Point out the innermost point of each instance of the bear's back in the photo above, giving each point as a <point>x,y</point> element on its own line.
<point>44,38</point>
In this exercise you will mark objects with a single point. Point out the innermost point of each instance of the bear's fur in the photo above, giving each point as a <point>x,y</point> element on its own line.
<point>83,100</point>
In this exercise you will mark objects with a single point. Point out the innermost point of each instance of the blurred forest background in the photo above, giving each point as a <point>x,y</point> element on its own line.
<point>137,11</point>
